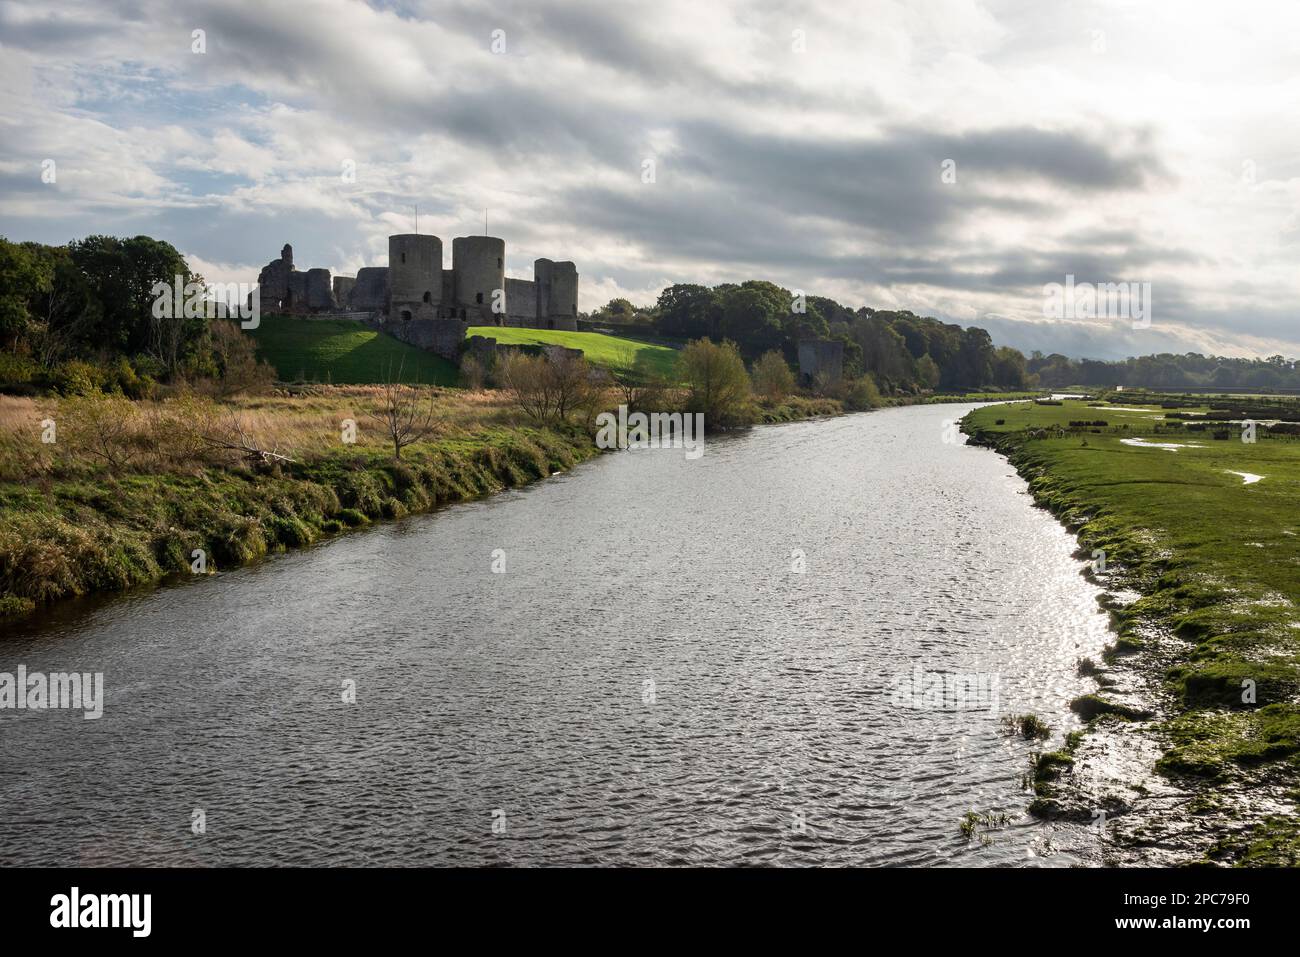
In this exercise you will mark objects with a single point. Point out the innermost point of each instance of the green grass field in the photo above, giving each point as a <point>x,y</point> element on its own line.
<point>1245,536</point>
<point>341,352</point>
<point>347,353</point>
<point>618,355</point>
<point>1216,560</point>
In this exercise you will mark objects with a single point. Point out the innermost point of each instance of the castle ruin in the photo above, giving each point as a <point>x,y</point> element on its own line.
<point>418,301</point>
<point>821,361</point>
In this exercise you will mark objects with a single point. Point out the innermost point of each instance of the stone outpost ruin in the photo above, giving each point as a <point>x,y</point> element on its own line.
<point>820,361</point>
<point>414,299</point>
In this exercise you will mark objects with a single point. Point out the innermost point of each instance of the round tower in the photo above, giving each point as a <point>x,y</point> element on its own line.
<point>557,294</point>
<point>479,263</point>
<point>414,273</point>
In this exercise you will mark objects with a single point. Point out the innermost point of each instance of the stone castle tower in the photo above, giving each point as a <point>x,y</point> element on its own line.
<point>415,286</point>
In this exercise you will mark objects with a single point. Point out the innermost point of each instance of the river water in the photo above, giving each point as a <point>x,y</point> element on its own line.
<point>649,681</point>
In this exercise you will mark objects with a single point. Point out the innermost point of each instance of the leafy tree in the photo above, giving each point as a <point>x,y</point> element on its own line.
<point>123,273</point>
<point>622,311</point>
<point>717,382</point>
<point>973,365</point>
<point>927,372</point>
<point>773,379</point>
<point>752,316</point>
<point>686,311</point>
<point>1009,370</point>
<point>23,276</point>
<point>884,352</point>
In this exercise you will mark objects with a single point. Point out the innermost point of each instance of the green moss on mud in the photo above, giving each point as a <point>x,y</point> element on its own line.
<point>1275,842</point>
<point>1216,563</point>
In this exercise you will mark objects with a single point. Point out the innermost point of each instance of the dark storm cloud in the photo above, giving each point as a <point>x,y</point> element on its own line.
<point>891,184</point>
<point>492,107</point>
<point>71,30</point>
<point>787,203</point>
<point>623,38</point>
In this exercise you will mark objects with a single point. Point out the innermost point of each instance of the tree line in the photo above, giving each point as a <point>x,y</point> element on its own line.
<point>1167,371</point>
<point>901,351</point>
<point>904,352</point>
<point>80,317</point>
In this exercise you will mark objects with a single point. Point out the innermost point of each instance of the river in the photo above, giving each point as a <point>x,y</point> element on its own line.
<point>649,681</point>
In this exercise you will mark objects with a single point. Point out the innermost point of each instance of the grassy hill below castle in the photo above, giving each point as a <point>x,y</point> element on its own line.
<point>611,352</point>
<point>342,352</point>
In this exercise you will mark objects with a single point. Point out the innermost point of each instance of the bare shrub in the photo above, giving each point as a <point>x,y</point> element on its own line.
<point>236,358</point>
<point>406,413</point>
<point>644,388</point>
<point>772,378</point>
<point>550,389</point>
<point>104,427</point>
<point>181,430</point>
<point>473,373</point>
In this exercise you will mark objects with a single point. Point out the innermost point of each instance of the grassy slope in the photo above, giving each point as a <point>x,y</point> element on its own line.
<point>1217,563</point>
<point>341,352</point>
<point>612,352</point>
<point>83,535</point>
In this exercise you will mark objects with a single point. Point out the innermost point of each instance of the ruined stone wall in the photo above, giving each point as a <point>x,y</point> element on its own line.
<point>449,308</point>
<point>318,291</point>
<point>273,281</point>
<point>564,295</point>
<point>281,288</point>
<point>521,303</point>
<point>440,336</point>
<point>488,351</point>
<point>557,295</point>
<point>820,359</point>
<point>343,290</point>
<point>370,291</point>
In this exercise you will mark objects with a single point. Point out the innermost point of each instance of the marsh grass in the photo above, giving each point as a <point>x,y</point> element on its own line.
<point>1028,726</point>
<point>1216,561</point>
<point>129,490</point>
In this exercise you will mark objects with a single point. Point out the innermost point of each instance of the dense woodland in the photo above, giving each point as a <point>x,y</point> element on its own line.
<point>79,316</point>
<point>905,352</point>
<point>1168,372</point>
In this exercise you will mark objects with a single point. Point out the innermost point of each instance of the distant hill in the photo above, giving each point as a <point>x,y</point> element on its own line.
<point>612,352</point>
<point>344,353</point>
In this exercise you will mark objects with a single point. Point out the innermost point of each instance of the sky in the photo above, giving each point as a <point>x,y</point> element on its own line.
<point>950,157</point>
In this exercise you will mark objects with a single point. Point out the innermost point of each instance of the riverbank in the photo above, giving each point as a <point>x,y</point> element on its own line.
<point>129,493</point>
<point>126,493</point>
<point>651,659</point>
<point>1192,751</point>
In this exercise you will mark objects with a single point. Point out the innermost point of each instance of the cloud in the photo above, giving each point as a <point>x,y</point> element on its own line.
<point>792,141</point>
